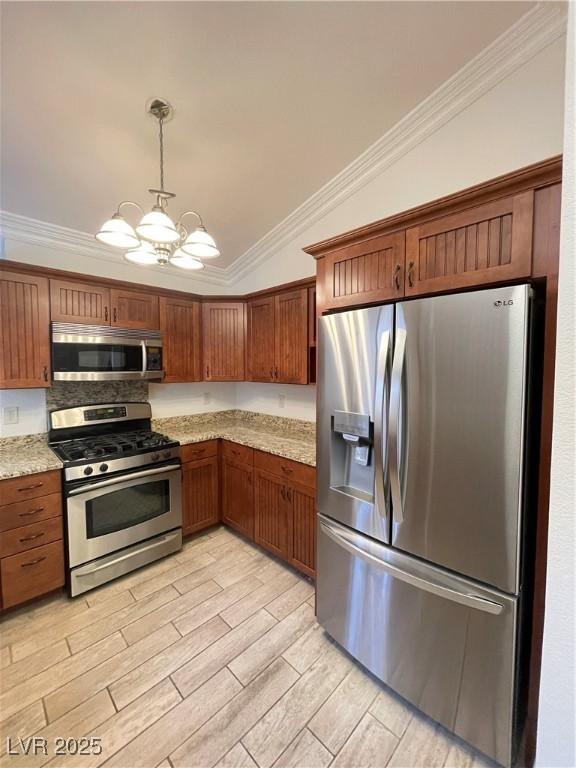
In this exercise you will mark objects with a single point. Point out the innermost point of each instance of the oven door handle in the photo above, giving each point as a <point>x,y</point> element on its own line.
<point>124,478</point>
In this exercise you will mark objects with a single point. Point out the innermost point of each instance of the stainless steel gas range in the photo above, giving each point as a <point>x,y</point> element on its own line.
<point>122,485</point>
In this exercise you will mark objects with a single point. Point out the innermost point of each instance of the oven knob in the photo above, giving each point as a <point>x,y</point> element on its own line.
<point>155,456</point>
<point>103,467</point>
<point>166,454</point>
<point>88,471</point>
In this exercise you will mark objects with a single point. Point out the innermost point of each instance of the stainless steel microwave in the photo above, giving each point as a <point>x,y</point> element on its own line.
<point>102,353</point>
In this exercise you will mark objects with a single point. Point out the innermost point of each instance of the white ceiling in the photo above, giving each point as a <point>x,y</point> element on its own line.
<point>271,100</point>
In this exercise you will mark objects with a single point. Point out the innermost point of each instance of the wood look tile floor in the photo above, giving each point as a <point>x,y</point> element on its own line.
<point>210,657</point>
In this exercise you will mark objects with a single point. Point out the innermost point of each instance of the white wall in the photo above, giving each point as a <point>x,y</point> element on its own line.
<point>184,399</point>
<point>557,714</point>
<point>31,404</point>
<point>292,400</point>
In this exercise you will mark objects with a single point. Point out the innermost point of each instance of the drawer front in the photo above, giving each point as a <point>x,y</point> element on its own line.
<point>197,451</point>
<point>31,574</point>
<point>30,536</point>
<point>30,486</point>
<point>285,468</point>
<point>26,512</point>
<point>237,452</point>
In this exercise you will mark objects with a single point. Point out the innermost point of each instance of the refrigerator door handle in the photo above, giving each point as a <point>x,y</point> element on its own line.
<point>380,427</point>
<point>353,543</point>
<point>395,438</point>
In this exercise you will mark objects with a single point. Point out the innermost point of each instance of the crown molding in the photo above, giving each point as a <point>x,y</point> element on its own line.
<point>533,32</point>
<point>512,49</point>
<point>23,229</point>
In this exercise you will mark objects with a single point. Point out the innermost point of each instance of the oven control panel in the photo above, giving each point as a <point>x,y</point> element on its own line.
<point>108,412</point>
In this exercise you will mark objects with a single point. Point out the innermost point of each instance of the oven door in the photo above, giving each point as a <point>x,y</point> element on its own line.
<point>111,514</point>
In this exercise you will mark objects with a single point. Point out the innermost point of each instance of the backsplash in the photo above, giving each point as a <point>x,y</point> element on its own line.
<point>65,394</point>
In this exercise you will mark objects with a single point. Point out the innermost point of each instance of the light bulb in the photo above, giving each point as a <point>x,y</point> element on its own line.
<point>200,245</point>
<point>118,233</point>
<point>158,227</point>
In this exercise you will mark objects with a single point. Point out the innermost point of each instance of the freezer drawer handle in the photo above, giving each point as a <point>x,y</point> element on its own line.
<point>471,601</point>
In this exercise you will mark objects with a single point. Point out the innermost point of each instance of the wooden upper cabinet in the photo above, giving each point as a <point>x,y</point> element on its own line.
<point>181,336</point>
<point>485,244</point>
<point>260,350</point>
<point>133,309</point>
<point>291,347</point>
<point>364,272</point>
<point>223,340</point>
<point>79,303</point>
<point>24,331</point>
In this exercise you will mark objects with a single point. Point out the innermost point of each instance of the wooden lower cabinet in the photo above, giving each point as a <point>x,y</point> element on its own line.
<point>200,495</point>
<point>303,529</point>
<point>31,538</point>
<point>238,496</point>
<point>272,514</point>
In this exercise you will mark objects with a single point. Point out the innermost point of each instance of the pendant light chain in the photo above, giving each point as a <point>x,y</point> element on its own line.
<point>161,122</point>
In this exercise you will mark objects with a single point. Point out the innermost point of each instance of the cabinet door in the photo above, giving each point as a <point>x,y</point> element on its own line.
<point>181,337</point>
<point>261,339</point>
<point>79,303</point>
<point>24,331</point>
<point>132,309</point>
<point>273,514</point>
<point>486,244</point>
<point>303,528</point>
<point>238,497</point>
<point>364,272</point>
<point>223,334</point>
<point>200,506</point>
<point>291,349</point>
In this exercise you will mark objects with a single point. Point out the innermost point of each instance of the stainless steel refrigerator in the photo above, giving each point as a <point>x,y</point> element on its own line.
<point>421,453</point>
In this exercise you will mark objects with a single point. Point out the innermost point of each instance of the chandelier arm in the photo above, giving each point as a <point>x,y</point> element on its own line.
<point>193,213</point>
<point>129,202</point>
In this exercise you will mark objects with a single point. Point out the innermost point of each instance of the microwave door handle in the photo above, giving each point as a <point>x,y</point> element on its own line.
<point>396,442</point>
<point>123,479</point>
<point>144,358</point>
<point>380,428</point>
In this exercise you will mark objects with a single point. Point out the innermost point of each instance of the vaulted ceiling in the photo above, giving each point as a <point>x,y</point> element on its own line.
<point>271,100</point>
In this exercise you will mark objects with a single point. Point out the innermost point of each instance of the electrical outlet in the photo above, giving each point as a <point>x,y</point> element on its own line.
<point>10,415</point>
<point>281,401</point>
<point>207,398</point>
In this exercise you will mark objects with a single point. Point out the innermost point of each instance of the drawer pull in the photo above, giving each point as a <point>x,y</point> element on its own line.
<point>30,487</point>
<point>31,537</point>
<point>286,470</point>
<point>32,562</point>
<point>31,512</point>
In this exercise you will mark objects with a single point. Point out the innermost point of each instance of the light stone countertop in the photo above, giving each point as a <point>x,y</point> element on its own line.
<point>290,438</point>
<point>26,455</point>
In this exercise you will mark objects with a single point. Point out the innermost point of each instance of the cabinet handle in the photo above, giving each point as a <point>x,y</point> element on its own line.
<point>30,487</point>
<point>32,562</point>
<point>106,314</point>
<point>114,315</point>
<point>275,371</point>
<point>289,494</point>
<point>411,274</point>
<point>45,373</point>
<point>286,470</point>
<point>283,493</point>
<point>271,373</point>
<point>31,512</point>
<point>207,371</point>
<point>249,478</point>
<point>397,276</point>
<point>31,537</point>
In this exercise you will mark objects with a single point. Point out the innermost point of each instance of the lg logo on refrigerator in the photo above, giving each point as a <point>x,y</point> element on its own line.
<point>507,303</point>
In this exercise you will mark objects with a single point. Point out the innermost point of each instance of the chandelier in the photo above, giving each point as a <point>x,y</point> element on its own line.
<point>157,239</point>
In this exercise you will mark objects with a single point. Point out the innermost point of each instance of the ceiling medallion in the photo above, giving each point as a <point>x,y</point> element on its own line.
<point>157,239</point>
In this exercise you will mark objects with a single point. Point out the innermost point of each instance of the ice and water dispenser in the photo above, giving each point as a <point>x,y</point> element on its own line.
<point>351,455</point>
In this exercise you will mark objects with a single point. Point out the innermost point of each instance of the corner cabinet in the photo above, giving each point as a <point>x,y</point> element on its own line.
<point>223,340</point>
<point>261,339</point>
<point>485,244</point>
<point>24,331</point>
<point>181,337</point>
<point>238,488</point>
